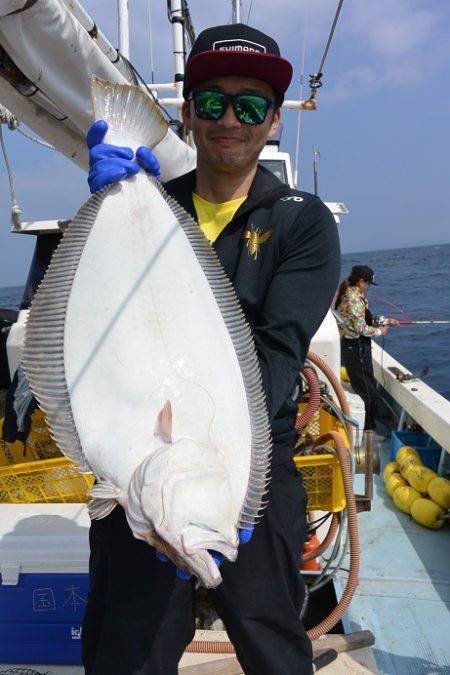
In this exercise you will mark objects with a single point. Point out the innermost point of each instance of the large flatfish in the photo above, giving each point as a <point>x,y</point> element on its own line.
<point>139,354</point>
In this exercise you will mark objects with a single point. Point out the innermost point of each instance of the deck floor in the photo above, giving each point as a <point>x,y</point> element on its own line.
<point>359,662</point>
<point>404,592</point>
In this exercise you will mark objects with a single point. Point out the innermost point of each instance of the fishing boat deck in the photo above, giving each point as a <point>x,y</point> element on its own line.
<point>358,662</point>
<point>403,595</point>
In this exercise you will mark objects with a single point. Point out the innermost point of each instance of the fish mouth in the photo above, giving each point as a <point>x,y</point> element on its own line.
<point>211,576</point>
<point>198,542</point>
<point>198,561</point>
<point>194,557</point>
<point>197,538</point>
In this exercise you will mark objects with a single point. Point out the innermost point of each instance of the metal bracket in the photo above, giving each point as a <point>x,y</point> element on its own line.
<point>371,466</point>
<point>408,377</point>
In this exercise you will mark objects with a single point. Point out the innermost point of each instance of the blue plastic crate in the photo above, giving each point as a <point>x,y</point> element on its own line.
<point>428,449</point>
<point>40,619</point>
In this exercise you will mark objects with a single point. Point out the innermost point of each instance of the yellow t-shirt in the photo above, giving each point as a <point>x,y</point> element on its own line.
<point>213,218</point>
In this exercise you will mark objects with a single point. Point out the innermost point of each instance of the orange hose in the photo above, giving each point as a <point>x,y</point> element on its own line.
<point>337,386</point>
<point>314,399</point>
<point>326,541</point>
<point>210,647</point>
<point>336,614</point>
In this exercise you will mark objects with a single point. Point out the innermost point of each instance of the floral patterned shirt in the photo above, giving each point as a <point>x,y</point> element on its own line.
<point>352,310</point>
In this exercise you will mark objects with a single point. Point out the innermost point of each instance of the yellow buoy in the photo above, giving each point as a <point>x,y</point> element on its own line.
<point>344,374</point>
<point>426,513</point>
<point>439,491</point>
<point>407,463</point>
<point>406,451</point>
<point>419,477</point>
<point>407,471</point>
<point>393,483</point>
<point>389,469</point>
<point>404,497</point>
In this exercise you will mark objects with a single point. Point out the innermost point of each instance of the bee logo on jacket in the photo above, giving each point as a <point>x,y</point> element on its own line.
<point>255,239</point>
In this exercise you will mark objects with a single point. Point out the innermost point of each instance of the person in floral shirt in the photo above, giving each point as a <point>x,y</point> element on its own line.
<point>356,327</point>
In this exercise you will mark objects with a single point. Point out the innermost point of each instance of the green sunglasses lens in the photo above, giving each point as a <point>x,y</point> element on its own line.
<point>209,105</point>
<point>251,109</point>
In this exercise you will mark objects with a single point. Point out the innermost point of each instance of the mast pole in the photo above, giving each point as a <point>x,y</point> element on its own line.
<point>177,21</point>
<point>152,62</point>
<point>124,28</point>
<point>237,9</point>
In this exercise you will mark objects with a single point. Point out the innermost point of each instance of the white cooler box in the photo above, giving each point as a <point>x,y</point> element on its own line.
<point>44,555</point>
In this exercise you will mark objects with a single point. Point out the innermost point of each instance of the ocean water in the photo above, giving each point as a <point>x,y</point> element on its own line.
<point>417,282</point>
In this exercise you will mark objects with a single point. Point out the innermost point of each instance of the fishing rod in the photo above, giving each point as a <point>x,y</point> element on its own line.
<point>388,302</point>
<point>409,321</point>
<point>425,321</point>
<point>384,321</point>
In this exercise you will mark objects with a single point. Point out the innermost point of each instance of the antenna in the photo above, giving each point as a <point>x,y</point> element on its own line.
<point>316,155</point>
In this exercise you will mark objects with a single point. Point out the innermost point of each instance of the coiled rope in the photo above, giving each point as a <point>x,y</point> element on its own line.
<point>7,117</point>
<point>11,121</point>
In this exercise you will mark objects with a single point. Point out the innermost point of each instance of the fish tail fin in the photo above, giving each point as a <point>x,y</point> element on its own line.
<point>133,117</point>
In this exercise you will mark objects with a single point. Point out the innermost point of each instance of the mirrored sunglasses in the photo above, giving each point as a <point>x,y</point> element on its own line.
<point>248,108</point>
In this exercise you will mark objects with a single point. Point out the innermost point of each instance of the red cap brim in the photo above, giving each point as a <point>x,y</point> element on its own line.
<point>269,68</point>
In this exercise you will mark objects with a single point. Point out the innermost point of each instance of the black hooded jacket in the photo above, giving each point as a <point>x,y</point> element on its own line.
<point>285,289</point>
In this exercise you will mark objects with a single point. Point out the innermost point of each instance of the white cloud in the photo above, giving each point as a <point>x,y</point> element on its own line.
<point>391,28</point>
<point>391,41</point>
<point>359,78</point>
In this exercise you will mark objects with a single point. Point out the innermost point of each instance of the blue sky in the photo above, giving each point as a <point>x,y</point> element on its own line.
<point>382,125</point>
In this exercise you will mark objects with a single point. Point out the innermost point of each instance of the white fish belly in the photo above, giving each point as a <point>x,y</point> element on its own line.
<point>143,327</point>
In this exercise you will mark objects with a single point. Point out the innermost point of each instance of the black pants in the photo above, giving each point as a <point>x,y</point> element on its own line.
<point>357,358</point>
<point>140,616</point>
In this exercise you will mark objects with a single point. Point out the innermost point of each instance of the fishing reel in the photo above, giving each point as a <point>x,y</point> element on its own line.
<point>379,321</point>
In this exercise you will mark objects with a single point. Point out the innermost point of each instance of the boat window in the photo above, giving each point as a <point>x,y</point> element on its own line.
<point>277,167</point>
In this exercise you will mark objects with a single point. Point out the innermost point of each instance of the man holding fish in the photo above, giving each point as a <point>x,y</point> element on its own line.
<point>280,249</point>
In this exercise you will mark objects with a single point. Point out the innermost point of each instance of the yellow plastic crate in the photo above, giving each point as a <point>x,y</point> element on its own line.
<point>321,423</point>
<point>322,480</point>
<point>50,480</point>
<point>38,445</point>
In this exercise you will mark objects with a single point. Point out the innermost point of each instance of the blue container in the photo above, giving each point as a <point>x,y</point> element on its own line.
<point>40,619</point>
<point>428,449</point>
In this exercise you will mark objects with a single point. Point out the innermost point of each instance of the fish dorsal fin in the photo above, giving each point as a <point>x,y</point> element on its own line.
<point>134,120</point>
<point>163,427</point>
<point>43,351</point>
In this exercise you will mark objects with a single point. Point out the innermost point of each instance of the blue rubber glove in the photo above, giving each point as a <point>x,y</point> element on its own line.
<point>112,163</point>
<point>244,537</point>
<point>245,534</point>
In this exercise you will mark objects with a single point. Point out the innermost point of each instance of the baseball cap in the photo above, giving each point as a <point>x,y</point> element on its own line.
<point>364,272</point>
<point>237,49</point>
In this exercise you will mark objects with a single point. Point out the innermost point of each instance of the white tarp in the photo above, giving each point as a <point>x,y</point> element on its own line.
<point>57,54</point>
<point>71,143</point>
